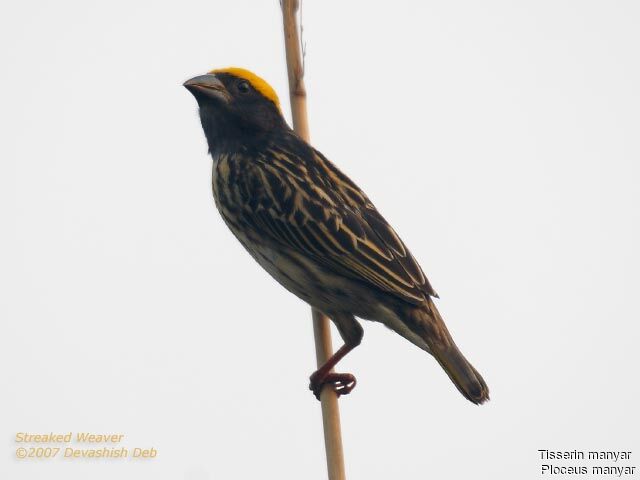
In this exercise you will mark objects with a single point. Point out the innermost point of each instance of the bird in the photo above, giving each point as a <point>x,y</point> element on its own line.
<point>314,230</point>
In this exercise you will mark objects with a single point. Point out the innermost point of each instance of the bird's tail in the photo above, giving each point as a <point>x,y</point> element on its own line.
<point>435,334</point>
<point>462,374</point>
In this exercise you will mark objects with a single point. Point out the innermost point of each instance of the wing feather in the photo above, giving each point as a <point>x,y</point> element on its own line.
<point>308,205</point>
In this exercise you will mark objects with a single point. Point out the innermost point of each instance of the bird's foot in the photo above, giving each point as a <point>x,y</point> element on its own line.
<point>342,383</point>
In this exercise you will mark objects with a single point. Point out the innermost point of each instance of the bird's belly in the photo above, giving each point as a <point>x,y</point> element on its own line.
<point>311,282</point>
<point>320,288</point>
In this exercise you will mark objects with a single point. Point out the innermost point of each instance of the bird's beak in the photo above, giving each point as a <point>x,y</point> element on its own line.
<point>207,85</point>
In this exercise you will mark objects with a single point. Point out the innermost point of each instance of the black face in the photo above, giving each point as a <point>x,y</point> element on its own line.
<point>231,109</point>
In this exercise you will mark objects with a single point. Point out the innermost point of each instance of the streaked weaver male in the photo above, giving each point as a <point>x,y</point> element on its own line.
<point>314,230</point>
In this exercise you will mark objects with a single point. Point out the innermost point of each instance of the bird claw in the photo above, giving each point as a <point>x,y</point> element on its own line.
<point>342,383</point>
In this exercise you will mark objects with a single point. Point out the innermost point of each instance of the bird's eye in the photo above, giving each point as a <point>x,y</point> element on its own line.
<point>243,87</point>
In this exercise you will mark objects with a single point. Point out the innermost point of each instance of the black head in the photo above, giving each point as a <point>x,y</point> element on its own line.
<point>236,106</point>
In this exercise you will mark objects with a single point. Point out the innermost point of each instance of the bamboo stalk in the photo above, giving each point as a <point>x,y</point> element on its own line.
<point>321,330</point>
<point>328,401</point>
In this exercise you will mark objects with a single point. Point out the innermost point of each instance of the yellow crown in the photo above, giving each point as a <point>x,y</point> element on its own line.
<point>256,82</point>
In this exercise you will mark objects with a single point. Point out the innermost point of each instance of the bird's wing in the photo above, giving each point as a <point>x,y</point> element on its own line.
<point>315,209</point>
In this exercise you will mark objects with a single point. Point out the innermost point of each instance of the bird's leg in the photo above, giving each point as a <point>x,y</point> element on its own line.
<point>342,383</point>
